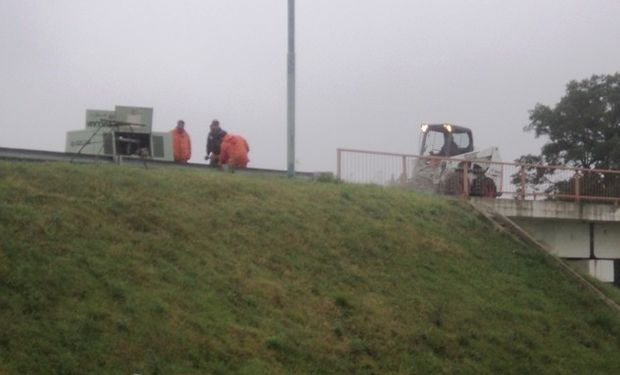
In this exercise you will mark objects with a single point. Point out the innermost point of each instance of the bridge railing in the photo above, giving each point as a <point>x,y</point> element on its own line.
<point>510,180</point>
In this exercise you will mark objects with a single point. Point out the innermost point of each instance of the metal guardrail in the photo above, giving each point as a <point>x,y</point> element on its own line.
<point>512,180</point>
<point>53,156</point>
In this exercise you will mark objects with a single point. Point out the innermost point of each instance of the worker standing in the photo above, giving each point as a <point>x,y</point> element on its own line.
<point>214,140</point>
<point>181,144</point>
<point>234,151</point>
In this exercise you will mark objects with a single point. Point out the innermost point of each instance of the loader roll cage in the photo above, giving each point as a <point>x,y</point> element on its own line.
<point>445,140</point>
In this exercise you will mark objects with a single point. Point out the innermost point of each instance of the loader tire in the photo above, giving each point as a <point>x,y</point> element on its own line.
<point>483,187</point>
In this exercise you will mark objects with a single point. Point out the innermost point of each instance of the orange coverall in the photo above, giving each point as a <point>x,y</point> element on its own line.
<point>181,145</point>
<point>234,151</point>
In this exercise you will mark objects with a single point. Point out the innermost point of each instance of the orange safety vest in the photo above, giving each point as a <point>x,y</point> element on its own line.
<point>181,146</point>
<point>234,151</point>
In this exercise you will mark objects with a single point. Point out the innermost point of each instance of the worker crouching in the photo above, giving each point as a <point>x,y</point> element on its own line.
<point>234,151</point>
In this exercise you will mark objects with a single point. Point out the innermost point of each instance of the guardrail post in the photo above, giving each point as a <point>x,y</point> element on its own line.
<point>339,160</point>
<point>465,180</point>
<point>522,178</point>
<point>577,187</point>
<point>403,176</point>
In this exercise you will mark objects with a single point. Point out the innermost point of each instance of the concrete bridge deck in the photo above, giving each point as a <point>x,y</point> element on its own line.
<point>553,209</point>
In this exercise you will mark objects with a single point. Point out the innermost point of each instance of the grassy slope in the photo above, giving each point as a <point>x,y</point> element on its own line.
<point>111,270</point>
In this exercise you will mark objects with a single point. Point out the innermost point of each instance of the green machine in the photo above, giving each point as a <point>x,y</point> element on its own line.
<point>124,132</point>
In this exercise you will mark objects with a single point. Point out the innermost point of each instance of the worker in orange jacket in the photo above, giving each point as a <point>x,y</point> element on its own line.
<point>181,144</point>
<point>234,151</point>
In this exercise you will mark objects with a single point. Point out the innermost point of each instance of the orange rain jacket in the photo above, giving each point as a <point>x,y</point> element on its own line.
<point>234,151</point>
<point>181,145</point>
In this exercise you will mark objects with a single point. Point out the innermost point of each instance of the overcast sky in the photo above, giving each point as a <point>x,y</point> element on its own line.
<point>368,71</point>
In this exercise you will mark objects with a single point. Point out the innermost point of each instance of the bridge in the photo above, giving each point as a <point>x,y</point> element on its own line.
<point>573,212</point>
<point>586,235</point>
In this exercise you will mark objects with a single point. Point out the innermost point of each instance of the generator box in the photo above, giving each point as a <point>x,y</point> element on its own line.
<point>124,132</point>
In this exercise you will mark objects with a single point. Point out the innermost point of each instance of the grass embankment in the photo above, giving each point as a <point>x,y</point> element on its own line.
<point>110,270</point>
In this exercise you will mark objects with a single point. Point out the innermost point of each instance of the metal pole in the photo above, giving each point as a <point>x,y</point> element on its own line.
<point>290,114</point>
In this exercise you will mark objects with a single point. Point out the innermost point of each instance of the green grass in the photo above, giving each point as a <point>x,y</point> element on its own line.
<point>113,270</point>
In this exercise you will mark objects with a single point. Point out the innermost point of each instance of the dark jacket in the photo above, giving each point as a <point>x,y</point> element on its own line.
<point>214,141</point>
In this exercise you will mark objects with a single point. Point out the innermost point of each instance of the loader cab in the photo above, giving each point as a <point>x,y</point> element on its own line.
<point>445,140</point>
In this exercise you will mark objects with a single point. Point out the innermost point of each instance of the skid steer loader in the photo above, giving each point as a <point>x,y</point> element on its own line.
<point>448,163</point>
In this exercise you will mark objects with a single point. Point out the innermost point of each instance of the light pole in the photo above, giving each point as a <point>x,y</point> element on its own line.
<point>290,113</point>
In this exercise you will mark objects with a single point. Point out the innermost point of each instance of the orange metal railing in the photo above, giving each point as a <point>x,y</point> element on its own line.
<point>510,180</point>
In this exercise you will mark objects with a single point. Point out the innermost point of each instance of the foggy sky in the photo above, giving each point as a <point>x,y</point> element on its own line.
<point>368,71</point>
